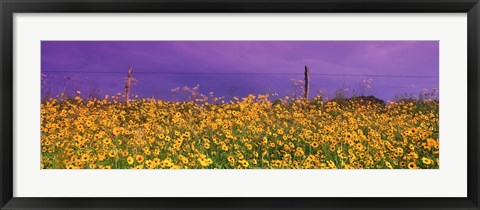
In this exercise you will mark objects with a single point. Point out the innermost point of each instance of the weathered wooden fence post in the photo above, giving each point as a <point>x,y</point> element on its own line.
<point>307,84</point>
<point>128,84</point>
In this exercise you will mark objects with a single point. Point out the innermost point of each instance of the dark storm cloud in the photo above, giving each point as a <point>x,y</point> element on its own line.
<point>273,64</point>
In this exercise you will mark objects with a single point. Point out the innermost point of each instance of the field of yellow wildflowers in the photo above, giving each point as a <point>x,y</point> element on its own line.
<point>248,133</point>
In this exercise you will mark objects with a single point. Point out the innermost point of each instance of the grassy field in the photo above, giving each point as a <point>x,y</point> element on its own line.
<point>247,133</point>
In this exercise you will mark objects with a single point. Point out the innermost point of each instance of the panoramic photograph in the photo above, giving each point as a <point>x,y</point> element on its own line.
<point>239,105</point>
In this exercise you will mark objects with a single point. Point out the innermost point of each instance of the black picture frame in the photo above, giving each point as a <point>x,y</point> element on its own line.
<point>9,7</point>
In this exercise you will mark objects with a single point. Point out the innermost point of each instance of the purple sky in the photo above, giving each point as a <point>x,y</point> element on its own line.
<point>240,67</point>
